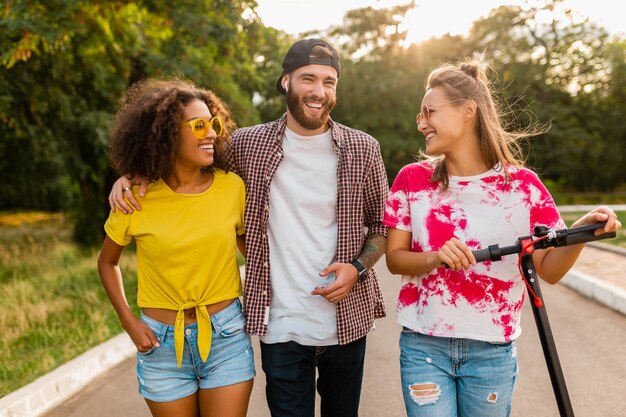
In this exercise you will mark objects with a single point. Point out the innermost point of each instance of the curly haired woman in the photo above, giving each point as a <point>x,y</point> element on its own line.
<point>193,356</point>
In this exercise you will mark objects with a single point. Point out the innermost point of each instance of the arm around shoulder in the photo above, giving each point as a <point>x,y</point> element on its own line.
<point>122,196</point>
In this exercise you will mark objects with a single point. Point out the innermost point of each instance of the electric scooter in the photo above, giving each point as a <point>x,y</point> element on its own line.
<point>542,238</point>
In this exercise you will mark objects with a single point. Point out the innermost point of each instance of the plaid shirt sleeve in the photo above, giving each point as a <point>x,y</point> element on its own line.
<point>375,193</point>
<point>363,190</point>
<point>254,154</point>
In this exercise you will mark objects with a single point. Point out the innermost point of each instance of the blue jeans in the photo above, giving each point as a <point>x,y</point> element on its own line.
<point>448,377</point>
<point>290,374</point>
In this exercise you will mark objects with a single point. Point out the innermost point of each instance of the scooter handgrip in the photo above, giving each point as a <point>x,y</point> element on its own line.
<point>587,237</point>
<point>482,255</point>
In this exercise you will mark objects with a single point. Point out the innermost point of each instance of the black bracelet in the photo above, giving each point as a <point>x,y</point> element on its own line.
<point>361,269</point>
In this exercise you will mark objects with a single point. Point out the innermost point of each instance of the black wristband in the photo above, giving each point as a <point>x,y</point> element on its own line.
<point>361,269</point>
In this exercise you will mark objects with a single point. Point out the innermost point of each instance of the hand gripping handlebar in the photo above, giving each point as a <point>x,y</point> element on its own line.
<point>544,238</point>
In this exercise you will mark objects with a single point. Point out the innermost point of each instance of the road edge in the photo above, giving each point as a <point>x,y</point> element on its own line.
<point>591,287</point>
<point>57,386</point>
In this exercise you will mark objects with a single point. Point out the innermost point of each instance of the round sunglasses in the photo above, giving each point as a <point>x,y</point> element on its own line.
<point>424,115</point>
<point>200,126</point>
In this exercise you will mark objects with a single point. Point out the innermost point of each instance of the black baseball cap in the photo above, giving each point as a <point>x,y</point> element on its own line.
<point>299,55</point>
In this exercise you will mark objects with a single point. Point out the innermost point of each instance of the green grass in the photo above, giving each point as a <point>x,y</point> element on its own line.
<point>53,306</point>
<point>619,240</point>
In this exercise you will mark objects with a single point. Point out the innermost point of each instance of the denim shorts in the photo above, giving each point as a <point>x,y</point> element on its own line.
<point>444,376</point>
<point>230,361</point>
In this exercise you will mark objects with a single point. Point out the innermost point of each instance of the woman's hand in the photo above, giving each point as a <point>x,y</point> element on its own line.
<point>600,214</point>
<point>402,261</point>
<point>553,263</point>
<point>456,254</point>
<point>122,191</point>
<point>142,336</point>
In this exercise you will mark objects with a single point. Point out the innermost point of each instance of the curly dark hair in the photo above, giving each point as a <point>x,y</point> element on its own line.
<point>144,135</point>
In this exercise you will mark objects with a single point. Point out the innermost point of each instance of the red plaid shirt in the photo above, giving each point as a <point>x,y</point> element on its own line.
<point>255,154</point>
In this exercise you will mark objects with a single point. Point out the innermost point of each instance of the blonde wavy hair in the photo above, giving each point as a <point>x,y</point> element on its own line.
<point>498,147</point>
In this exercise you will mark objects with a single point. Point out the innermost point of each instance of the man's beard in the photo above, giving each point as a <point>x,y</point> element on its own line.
<point>296,108</point>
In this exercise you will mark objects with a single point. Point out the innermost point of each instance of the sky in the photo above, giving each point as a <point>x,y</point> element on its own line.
<point>432,18</point>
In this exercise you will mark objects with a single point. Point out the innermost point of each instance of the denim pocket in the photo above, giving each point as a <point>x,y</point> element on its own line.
<point>149,352</point>
<point>233,326</point>
<point>501,345</point>
<point>159,329</point>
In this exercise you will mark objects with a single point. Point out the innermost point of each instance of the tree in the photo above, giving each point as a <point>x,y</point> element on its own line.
<point>382,82</point>
<point>558,64</point>
<point>60,78</point>
<point>551,69</point>
<point>371,33</point>
<point>65,64</point>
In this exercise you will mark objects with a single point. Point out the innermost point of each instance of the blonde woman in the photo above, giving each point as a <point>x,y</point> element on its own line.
<point>470,191</point>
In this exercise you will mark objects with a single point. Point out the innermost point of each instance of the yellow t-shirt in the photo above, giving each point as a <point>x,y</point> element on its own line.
<point>186,247</point>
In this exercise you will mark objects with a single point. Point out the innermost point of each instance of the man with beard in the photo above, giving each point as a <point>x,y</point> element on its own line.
<point>312,186</point>
<point>316,192</point>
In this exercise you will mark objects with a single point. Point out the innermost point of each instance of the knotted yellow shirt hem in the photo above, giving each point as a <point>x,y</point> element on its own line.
<point>205,333</point>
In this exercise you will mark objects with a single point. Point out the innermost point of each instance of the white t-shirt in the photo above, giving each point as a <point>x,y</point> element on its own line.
<point>302,236</point>
<point>483,303</point>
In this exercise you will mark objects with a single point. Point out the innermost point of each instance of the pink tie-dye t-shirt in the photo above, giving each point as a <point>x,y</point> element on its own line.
<point>483,303</point>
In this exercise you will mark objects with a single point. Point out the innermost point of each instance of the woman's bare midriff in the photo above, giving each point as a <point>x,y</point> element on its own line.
<point>169,316</point>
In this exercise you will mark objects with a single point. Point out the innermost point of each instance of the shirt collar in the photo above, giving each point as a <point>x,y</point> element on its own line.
<point>281,125</point>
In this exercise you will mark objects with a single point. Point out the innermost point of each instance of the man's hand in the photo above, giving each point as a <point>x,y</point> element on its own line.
<point>122,194</point>
<point>346,277</point>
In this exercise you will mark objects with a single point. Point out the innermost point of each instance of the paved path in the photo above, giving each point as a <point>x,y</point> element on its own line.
<point>591,340</point>
<point>608,266</point>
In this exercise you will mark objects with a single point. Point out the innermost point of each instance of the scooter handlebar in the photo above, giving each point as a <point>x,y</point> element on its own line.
<point>564,237</point>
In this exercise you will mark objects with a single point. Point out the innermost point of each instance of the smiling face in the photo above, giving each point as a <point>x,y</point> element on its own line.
<point>442,122</point>
<point>311,95</point>
<point>194,152</point>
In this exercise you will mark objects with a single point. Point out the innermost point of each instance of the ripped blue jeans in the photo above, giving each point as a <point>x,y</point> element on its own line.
<point>449,377</point>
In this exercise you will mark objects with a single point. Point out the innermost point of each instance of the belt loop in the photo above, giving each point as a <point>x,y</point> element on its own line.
<point>163,332</point>
<point>215,327</point>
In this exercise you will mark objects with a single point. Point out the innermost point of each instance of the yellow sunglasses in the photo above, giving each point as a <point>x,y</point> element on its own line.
<point>200,126</point>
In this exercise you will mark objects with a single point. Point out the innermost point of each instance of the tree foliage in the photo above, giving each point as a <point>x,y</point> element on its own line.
<point>550,69</point>
<point>64,65</point>
<point>560,64</point>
